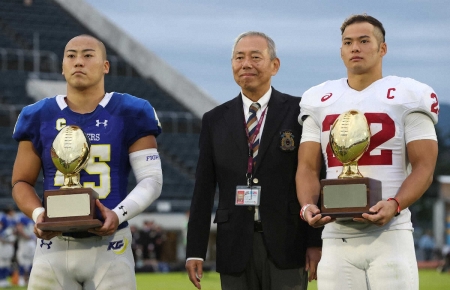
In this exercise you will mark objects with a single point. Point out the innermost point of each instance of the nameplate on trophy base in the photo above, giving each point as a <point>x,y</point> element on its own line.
<point>69,210</point>
<point>349,197</point>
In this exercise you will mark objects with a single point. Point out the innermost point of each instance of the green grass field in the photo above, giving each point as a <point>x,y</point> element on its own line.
<point>429,280</point>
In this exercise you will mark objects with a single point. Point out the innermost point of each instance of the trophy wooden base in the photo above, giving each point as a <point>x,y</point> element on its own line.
<point>349,197</point>
<point>69,210</point>
<point>70,226</point>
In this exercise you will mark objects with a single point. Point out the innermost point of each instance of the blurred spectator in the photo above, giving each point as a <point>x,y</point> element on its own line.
<point>427,245</point>
<point>445,266</point>
<point>146,237</point>
<point>148,248</point>
<point>134,245</point>
<point>158,240</point>
<point>26,245</point>
<point>7,240</point>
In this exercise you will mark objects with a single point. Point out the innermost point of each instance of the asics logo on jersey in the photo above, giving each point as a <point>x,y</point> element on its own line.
<point>118,247</point>
<point>123,209</point>
<point>104,123</point>
<point>43,243</point>
<point>152,157</point>
<point>326,97</point>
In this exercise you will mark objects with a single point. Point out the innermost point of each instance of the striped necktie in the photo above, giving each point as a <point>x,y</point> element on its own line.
<point>252,121</point>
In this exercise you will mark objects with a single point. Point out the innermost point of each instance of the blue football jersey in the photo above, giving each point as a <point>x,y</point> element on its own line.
<point>117,122</point>
<point>7,227</point>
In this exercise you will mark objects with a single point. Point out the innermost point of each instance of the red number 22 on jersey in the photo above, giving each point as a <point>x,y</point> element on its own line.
<point>386,133</point>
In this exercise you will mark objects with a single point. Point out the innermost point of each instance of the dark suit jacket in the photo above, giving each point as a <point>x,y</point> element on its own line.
<point>223,162</point>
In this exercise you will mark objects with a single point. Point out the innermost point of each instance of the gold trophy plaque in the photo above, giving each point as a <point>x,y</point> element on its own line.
<point>72,207</point>
<point>351,194</point>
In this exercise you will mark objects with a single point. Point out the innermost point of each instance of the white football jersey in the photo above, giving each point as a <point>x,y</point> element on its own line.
<point>385,104</point>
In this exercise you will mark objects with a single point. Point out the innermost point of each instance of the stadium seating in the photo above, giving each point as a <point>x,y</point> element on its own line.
<point>13,88</point>
<point>180,147</point>
<point>137,87</point>
<point>46,26</point>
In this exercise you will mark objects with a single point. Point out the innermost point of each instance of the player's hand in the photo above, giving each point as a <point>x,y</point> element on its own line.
<point>111,221</point>
<point>314,218</point>
<point>195,272</point>
<point>44,235</point>
<point>381,213</point>
<point>313,255</point>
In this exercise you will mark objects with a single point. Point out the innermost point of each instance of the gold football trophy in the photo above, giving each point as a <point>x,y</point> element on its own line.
<point>72,207</point>
<point>351,194</point>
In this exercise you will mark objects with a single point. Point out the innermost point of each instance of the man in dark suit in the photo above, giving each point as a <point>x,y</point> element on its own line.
<point>250,151</point>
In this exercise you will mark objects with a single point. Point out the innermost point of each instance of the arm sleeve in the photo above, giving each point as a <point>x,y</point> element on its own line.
<point>419,126</point>
<point>311,132</point>
<point>146,166</point>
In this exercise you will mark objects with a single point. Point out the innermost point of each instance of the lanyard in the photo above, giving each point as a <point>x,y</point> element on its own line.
<point>251,142</point>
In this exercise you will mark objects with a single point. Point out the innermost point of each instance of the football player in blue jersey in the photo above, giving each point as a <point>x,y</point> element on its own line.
<point>26,246</point>
<point>7,240</point>
<point>122,130</point>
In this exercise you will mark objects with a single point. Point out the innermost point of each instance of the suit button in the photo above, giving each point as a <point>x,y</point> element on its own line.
<point>250,208</point>
<point>255,180</point>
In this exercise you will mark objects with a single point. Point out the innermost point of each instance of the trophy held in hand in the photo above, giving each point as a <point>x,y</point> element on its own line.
<point>351,194</point>
<point>72,207</point>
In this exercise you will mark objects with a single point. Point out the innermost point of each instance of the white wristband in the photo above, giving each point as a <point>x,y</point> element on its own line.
<point>37,212</point>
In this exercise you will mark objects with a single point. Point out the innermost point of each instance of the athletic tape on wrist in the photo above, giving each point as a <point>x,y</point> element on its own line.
<point>303,210</point>
<point>37,212</point>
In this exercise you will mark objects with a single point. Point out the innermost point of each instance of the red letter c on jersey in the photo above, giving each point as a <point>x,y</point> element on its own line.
<point>389,93</point>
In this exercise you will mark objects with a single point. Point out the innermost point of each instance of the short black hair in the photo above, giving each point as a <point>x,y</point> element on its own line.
<point>358,18</point>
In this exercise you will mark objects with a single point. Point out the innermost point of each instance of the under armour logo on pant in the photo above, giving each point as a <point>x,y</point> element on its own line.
<point>46,244</point>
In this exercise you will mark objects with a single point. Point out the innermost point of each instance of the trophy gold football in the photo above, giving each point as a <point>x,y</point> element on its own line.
<point>72,207</point>
<point>351,194</point>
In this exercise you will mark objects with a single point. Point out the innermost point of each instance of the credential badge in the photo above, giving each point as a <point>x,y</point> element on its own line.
<point>287,140</point>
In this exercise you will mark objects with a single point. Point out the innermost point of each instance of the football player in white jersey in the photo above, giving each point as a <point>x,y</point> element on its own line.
<point>377,250</point>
